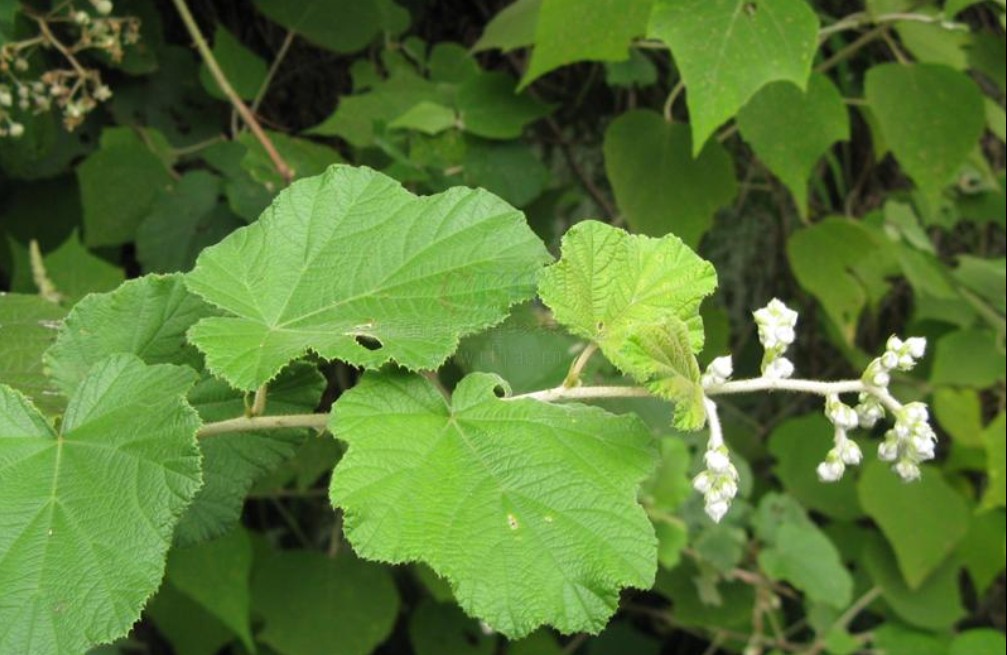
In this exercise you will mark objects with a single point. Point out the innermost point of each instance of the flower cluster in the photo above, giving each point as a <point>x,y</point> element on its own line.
<point>899,355</point>
<point>844,452</point>
<point>718,482</point>
<point>69,86</point>
<point>909,442</point>
<point>776,323</point>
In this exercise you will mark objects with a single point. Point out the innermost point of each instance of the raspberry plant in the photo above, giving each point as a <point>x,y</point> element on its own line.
<point>507,350</point>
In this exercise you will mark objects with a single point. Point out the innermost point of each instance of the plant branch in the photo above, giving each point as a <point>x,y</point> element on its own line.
<point>252,423</point>
<point>573,376</point>
<point>275,66</point>
<point>239,105</point>
<point>860,19</point>
<point>670,101</point>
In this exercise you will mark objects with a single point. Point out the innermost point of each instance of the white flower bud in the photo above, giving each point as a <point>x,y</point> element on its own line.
<point>894,344</point>
<point>721,367</point>
<point>888,450</point>
<point>889,360</point>
<point>881,379</point>
<point>81,17</point>
<point>849,453</point>
<point>717,461</point>
<point>778,369</point>
<point>785,334</point>
<point>906,362</point>
<point>102,93</point>
<point>831,470</point>
<point>917,346</point>
<point>924,447</point>
<point>907,470</point>
<point>103,7</point>
<point>702,483</point>
<point>917,412</point>
<point>716,510</point>
<point>16,129</point>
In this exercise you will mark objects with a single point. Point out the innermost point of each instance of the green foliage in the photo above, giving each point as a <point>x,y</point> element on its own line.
<point>308,278</point>
<point>520,485</point>
<point>430,248</point>
<point>116,476</point>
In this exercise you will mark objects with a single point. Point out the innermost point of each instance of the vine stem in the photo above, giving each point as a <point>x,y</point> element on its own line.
<point>253,423</point>
<point>239,105</point>
<point>562,393</point>
<point>573,376</point>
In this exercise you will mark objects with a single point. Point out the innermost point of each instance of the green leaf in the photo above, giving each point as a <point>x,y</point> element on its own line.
<point>968,358</point>
<point>146,317</point>
<point>417,274</point>
<point>232,462</point>
<point>959,412</point>
<point>215,574</point>
<point>28,324</point>
<point>548,490</point>
<point>442,629</point>
<point>89,510</point>
<point>510,170</point>
<point>798,445</point>
<point>427,117</point>
<point>841,262</point>
<point>995,439</point>
<point>637,71</point>
<point>932,605</point>
<point>305,158</point>
<point>489,107</point>
<point>661,356</point>
<point>930,116</point>
<point>934,43</point>
<point>727,50</point>
<point>512,28</point>
<point>185,624</point>
<point>804,557</point>
<point>118,184</point>
<point>183,220</point>
<point>790,130</point>
<point>244,70</point>
<point>356,115</point>
<point>893,638</point>
<point>983,549</point>
<point>923,521</point>
<point>337,25</point>
<point>75,272</point>
<point>246,196</point>
<point>317,605</point>
<point>573,30</point>
<point>609,285</point>
<point>659,186</point>
<point>979,641</point>
<point>986,277</point>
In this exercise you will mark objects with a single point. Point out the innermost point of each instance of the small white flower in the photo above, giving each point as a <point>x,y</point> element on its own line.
<point>702,482</point>
<point>722,367</point>
<point>917,412</point>
<point>717,460</point>
<point>785,334</point>
<point>888,450</point>
<point>894,344</point>
<point>81,17</point>
<point>16,129</point>
<point>889,360</point>
<point>831,470</point>
<point>917,346</point>
<point>716,510</point>
<point>6,99</point>
<point>849,452</point>
<point>778,369</point>
<point>881,379</point>
<point>103,7</point>
<point>907,470</point>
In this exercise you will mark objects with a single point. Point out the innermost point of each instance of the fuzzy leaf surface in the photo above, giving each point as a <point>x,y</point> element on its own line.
<point>528,509</point>
<point>351,265</point>
<point>609,286</point>
<point>87,512</point>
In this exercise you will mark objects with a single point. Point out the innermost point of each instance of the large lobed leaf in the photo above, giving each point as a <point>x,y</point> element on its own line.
<point>28,324</point>
<point>351,265</point>
<point>87,512</point>
<point>527,508</point>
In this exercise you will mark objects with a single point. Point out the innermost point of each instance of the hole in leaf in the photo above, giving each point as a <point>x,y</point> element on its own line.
<point>368,342</point>
<point>499,391</point>
<point>750,8</point>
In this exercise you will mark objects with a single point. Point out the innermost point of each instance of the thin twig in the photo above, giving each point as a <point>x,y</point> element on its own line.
<point>239,105</point>
<point>275,66</point>
<point>669,103</point>
<point>258,407</point>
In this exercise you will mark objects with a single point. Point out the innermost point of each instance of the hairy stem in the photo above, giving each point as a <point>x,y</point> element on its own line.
<point>239,105</point>
<point>573,376</point>
<point>254,423</point>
